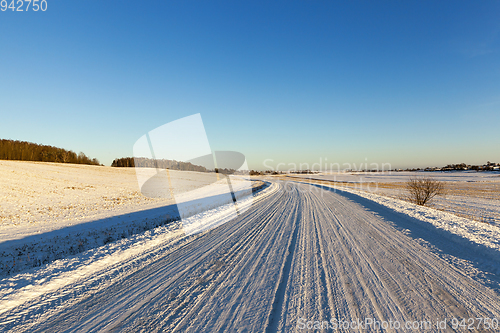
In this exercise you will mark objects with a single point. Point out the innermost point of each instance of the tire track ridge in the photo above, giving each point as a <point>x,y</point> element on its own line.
<point>279,295</point>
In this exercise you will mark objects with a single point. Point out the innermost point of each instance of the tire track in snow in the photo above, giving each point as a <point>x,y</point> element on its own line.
<point>279,295</point>
<point>181,295</point>
<point>343,237</point>
<point>247,267</point>
<point>191,295</point>
<point>420,278</point>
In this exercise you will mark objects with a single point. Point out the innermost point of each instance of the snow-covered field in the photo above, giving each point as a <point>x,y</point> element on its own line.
<point>41,197</point>
<point>402,176</point>
<point>49,210</point>
<point>469,194</point>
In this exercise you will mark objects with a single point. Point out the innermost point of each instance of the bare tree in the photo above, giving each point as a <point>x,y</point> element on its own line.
<point>422,190</point>
<point>65,156</point>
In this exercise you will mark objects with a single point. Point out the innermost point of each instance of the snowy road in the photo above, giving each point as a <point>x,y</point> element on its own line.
<point>300,254</point>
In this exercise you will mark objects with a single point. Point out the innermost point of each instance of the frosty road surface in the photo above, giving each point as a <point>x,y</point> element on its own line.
<point>298,254</point>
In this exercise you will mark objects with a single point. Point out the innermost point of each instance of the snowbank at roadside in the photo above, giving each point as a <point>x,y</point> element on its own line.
<point>477,232</point>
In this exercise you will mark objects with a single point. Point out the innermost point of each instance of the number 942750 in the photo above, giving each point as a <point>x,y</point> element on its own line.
<point>23,5</point>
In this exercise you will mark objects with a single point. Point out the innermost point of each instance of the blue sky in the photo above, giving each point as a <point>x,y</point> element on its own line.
<point>410,83</point>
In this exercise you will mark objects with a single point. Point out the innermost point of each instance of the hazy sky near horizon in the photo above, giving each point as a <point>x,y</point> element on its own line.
<point>410,83</point>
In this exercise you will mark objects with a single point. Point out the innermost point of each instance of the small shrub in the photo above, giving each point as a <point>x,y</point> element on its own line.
<point>109,239</point>
<point>422,190</point>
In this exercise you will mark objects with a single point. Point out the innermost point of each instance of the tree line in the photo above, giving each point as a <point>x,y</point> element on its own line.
<point>28,151</point>
<point>160,164</point>
<point>165,164</point>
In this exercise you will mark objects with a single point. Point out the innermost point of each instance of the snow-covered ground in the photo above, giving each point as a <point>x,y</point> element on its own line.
<point>114,258</point>
<point>289,255</point>
<point>299,255</point>
<point>470,194</point>
<point>49,210</point>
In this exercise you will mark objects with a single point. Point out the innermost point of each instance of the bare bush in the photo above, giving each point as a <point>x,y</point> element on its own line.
<point>422,190</point>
